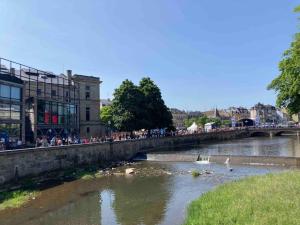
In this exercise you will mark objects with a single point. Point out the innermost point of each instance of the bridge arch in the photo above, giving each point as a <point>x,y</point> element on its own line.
<point>260,134</point>
<point>286,132</point>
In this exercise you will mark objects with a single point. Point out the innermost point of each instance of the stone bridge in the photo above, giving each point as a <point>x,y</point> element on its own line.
<point>273,131</point>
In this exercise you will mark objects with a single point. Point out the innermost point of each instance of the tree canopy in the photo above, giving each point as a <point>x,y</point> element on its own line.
<point>139,107</point>
<point>106,115</point>
<point>287,84</point>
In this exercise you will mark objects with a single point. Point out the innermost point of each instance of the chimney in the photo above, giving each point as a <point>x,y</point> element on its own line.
<point>12,71</point>
<point>69,74</point>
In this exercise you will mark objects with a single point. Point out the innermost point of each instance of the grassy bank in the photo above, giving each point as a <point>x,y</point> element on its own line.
<point>269,199</point>
<point>29,189</point>
<point>15,199</point>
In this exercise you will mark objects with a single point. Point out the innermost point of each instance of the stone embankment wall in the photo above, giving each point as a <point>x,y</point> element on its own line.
<point>32,162</point>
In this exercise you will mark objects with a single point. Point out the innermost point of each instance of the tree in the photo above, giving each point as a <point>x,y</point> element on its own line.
<point>127,107</point>
<point>106,115</point>
<point>287,84</point>
<point>157,114</point>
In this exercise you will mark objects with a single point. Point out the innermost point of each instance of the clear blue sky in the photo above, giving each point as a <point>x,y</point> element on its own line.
<point>202,53</point>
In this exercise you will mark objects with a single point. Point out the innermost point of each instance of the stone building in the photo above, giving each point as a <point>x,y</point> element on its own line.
<point>179,116</point>
<point>105,102</point>
<point>89,92</point>
<point>263,114</point>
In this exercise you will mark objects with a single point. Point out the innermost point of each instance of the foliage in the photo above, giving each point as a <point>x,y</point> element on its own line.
<point>268,199</point>
<point>287,84</point>
<point>15,199</point>
<point>106,114</point>
<point>157,115</point>
<point>127,107</point>
<point>196,173</point>
<point>139,107</point>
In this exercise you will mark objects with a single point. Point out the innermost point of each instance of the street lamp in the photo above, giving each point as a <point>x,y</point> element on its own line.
<point>109,127</point>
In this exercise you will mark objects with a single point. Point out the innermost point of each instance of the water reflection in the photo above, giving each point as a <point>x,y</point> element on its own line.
<point>134,201</point>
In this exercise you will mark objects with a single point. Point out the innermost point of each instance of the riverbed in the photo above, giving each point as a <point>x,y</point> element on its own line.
<point>158,194</point>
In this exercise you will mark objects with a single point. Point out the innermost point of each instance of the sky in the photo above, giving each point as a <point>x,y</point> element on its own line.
<point>201,53</point>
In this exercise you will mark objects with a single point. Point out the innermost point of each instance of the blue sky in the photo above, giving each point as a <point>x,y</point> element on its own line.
<point>201,53</point>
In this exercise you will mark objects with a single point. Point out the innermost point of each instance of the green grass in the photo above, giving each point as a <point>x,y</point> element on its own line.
<point>195,173</point>
<point>272,199</point>
<point>15,199</point>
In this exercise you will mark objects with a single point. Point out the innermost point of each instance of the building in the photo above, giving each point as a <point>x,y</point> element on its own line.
<point>179,116</point>
<point>105,102</point>
<point>11,109</point>
<point>264,114</point>
<point>63,104</point>
<point>89,96</point>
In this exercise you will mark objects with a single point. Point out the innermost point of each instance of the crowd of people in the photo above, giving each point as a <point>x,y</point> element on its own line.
<point>46,141</point>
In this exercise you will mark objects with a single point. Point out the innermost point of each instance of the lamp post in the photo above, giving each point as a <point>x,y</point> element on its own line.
<point>109,127</point>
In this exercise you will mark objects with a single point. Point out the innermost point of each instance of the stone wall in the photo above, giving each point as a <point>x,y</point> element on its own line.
<point>32,162</point>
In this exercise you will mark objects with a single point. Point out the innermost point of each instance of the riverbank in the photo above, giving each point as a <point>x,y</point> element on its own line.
<point>268,199</point>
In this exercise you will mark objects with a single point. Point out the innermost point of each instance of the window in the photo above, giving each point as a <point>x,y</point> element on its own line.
<point>53,93</point>
<point>4,111</point>
<point>87,95</point>
<point>16,93</point>
<point>61,117</point>
<point>87,113</point>
<point>87,88</point>
<point>4,91</point>
<point>41,111</point>
<point>87,130</point>
<point>54,113</point>
<point>39,92</point>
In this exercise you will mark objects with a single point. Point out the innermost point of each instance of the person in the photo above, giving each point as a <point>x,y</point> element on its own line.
<point>44,142</point>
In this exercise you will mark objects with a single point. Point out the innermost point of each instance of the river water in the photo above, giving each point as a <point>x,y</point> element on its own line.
<point>158,194</point>
<point>264,146</point>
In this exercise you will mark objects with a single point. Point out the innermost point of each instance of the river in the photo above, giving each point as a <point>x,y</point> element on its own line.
<point>149,197</point>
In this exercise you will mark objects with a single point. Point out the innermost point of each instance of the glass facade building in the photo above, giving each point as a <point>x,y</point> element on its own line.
<point>50,102</point>
<point>10,107</point>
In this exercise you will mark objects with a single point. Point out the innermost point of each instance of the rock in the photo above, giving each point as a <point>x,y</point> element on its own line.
<point>118,174</point>
<point>129,171</point>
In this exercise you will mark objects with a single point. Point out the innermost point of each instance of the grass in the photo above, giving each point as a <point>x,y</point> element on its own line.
<point>30,189</point>
<point>195,173</point>
<point>272,199</point>
<point>15,199</point>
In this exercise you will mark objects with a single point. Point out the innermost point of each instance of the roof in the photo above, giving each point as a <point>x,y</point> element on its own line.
<point>10,78</point>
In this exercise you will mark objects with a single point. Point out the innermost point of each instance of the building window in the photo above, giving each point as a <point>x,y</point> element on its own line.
<point>4,111</point>
<point>15,93</point>
<point>87,113</point>
<point>87,95</point>
<point>4,91</point>
<point>53,93</point>
<point>87,88</point>
<point>39,92</point>
<point>87,130</point>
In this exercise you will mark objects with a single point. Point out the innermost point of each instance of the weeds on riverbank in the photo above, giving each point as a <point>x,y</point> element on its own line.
<point>28,189</point>
<point>268,199</point>
<point>15,199</point>
<point>196,173</point>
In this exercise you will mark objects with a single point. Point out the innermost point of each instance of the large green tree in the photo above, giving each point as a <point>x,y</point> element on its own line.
<point>157,114</point>
<point>127,107</point>
<point>139,107</point>
<point>106,115</point>
<point>287,84</point>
